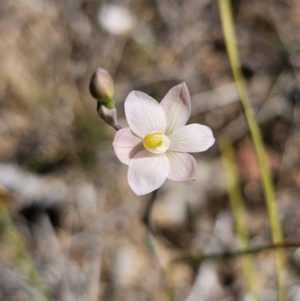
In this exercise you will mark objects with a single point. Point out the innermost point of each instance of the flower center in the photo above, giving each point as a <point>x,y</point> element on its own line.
<point>156,142</point>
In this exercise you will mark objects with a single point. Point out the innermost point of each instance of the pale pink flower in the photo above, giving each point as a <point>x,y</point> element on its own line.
<point>157,142</point>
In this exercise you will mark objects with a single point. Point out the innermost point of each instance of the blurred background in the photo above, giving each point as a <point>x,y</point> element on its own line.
<point>67,194</point>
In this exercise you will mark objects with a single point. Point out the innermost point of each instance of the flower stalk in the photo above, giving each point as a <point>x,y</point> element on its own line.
<point>109,116</point>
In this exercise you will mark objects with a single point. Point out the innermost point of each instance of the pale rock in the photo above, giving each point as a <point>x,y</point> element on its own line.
<point>128,267</point>
<point>116,19</point>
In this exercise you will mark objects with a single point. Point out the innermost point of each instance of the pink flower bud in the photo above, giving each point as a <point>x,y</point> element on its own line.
<point>102,87</point>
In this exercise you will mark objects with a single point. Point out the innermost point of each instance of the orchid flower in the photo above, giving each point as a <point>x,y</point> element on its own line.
<point>157,142</point>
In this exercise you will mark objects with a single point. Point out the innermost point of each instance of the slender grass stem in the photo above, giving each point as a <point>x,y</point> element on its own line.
<point>9,235</point>
<point>199,259</point>
<point>268,189</point>
<point>238,211</point>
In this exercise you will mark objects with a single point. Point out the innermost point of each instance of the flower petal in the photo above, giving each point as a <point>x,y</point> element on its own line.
<point>147,172</point>
<point>191,138</point>
<point>177,107</point>
<point>144,114</point>
<point>183,166</point>
<point>126,145</point>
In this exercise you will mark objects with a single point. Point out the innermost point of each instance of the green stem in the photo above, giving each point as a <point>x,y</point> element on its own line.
<point>10,237</point>
<point>238,211</point>
<point>268,189</point>
<point>197,260</point>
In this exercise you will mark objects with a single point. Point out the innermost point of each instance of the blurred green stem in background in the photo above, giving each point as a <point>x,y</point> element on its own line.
<point>196,260</point>
<point>10,238</point>
<point>268,189</point>
<point>238,211</point>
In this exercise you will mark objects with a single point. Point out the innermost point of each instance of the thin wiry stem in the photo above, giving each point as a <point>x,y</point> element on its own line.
<point>197,260</point>
<point>146,219</point>
<point>10,236</point>
<point>267,184</point>
<point>238,212</point>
